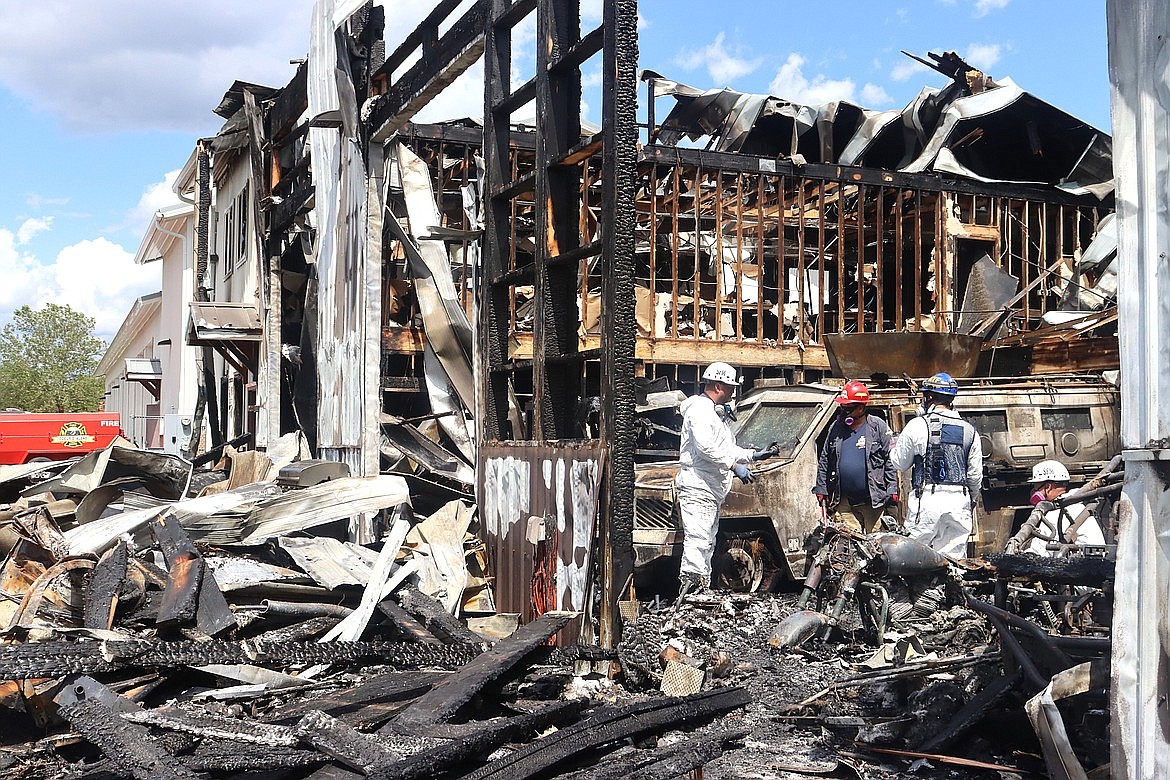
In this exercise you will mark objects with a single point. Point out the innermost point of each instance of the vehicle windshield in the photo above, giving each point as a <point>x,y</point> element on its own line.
<point>784,424</point>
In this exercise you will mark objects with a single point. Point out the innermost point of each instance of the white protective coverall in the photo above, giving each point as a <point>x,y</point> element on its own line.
<point>707,451</point>
<point>1089,531</point>
<point>942,516</point>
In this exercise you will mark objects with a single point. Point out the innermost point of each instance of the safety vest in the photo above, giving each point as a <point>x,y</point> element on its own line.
<point>948,444</point>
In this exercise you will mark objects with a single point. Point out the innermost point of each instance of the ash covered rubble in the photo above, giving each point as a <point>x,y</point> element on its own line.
<point>149,632</point>
<point>892,660</point>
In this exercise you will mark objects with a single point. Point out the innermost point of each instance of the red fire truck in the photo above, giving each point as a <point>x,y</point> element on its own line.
<point>27,436</point>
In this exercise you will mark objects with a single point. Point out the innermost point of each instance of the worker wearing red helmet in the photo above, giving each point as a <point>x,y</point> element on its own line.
<point>855,479</point>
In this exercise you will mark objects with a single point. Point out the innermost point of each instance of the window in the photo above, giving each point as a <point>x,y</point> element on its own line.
<point>781,423</point>
<point>1073,418</point>
<point>235,233</point>
<point>987,423</point>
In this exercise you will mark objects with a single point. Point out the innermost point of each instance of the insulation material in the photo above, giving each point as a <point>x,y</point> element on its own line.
<point>438,543</point>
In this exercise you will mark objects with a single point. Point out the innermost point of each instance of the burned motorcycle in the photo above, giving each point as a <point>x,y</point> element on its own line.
<point>852,566</point>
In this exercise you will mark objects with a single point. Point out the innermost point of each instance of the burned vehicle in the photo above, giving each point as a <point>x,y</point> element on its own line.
<point>764,525</point>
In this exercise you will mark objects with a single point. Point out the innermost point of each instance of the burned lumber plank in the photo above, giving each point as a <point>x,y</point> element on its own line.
<point>304,630</point>
<point>536,759</point>
<point>101,596</point>
<point>666,763</point>
<point>52,659</point>
<point>458,689</point>
<point>218,726</point>
<point>343,743</point>
<point>369,704</point>
<point>480,742</point>
<point>191,592</point>
<point>435,618</point>
<point>126,744</point>
<point>221,755</point>
<point>406,623</point>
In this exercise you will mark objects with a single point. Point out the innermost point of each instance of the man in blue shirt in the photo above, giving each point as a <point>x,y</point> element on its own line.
<point>855,479</point>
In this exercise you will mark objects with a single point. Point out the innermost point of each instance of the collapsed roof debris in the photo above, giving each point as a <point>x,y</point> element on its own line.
<point>989,131</point>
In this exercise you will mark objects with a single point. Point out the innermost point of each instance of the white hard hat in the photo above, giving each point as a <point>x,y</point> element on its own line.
<point>721,372</point>
<point>1049,471</point>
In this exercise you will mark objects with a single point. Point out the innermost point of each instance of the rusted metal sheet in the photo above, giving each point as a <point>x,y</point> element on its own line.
<point>538,508</point>
<point>916,353</point>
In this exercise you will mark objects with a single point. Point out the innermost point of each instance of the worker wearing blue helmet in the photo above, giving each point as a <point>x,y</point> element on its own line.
<point>944,458</point>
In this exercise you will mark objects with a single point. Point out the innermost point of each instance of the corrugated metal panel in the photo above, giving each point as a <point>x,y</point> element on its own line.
<point>559,485</point>
<point>1138,58</point>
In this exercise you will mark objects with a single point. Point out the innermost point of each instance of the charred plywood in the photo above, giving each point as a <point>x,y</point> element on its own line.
<point>538,511</point>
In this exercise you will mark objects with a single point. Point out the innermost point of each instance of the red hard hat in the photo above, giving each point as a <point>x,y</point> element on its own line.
<point>854,393</point>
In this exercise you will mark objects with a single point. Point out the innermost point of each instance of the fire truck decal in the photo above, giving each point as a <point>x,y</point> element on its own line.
<point>73,434</point>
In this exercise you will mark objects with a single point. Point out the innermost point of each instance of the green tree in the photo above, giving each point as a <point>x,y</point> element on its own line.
<point>47,361</point>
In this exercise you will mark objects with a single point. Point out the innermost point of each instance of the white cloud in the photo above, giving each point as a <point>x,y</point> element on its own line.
<point>121,65</point>
<point>38,202</point>
<point>790,83</point>
<point>984,7</point>
<point>30,227</point>
<point>723,66</point>
<point>158,195</point>
<point>874,96</point>
<point>100,278</point>
<point>983,55</point>
<point>97,277</point>
<point>908,68</point>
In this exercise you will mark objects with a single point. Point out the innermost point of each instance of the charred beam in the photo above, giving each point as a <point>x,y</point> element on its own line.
<point>52,659</point>
<point>404,622</point>
<point>454,53</point>
<point>924,182</point>
<point>425,35</point>
<point>221,755</point>
<point>189,593</point>
<point>127,745</point>
<point>217,726</point>
<point>370,704</point>
<point>458,689</point>
<point>665,763</point>
<point>101,596</point>
<point>289,105</point>
<point>344,743</point>
<point>436,619</point>
<point>631,721</point>
<point>458,752</point>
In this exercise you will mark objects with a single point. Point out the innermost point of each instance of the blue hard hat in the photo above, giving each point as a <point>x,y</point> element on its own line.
<point>941,383</point>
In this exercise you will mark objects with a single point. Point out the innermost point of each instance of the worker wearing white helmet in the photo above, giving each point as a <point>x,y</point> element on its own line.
<point>945,460</point>
<point>709,459</point>
<point>1068,524</point>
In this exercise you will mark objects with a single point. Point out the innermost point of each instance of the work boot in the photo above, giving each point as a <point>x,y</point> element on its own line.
<point>691,584</point>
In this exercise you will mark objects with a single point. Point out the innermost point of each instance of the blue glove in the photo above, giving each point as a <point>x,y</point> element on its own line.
<point>745,476</point>
<point>770,451</point>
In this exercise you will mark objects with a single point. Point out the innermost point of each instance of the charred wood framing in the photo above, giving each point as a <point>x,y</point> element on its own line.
<point>458,689</point>
<point>404,622</point>
<point>452,54</point>
<point>618,326</point>
<point>631,721</point>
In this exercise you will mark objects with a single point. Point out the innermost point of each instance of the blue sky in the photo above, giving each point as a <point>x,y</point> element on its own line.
<point>102,101</point>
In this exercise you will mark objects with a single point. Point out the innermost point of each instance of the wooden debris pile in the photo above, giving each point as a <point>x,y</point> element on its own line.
<point>149,633</point>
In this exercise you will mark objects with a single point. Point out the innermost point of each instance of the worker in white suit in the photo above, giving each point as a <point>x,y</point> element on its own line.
<point>709,459</point>
<point>944,456</point>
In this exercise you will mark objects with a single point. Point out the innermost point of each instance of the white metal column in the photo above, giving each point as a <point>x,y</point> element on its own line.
<point>1139,68</point>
